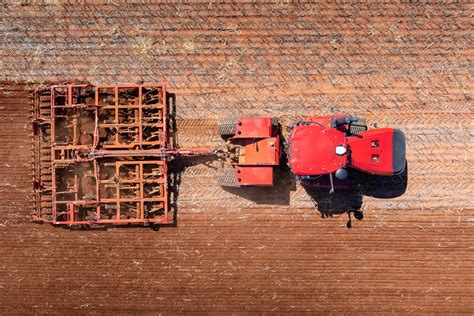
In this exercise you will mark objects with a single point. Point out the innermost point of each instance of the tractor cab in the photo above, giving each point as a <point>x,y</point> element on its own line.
<point>315,150</point>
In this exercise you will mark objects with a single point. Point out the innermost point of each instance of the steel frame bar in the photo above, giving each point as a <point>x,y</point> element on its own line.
<point>74,166</point>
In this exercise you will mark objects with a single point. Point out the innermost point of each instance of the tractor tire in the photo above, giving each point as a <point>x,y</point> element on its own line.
<point>227,179</point>
<point>227,126</point>
<point>358,127</point>
<point>275,122</point>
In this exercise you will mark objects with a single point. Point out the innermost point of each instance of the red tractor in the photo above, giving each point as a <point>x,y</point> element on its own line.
<point>252,150</point>
<point>322,149</point>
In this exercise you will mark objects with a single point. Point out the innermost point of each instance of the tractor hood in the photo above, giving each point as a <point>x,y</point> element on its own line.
<point>315,150</point>
<point>378,151</point>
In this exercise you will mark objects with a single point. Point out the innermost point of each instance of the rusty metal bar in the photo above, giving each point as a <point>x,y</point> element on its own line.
<point>72,163</point>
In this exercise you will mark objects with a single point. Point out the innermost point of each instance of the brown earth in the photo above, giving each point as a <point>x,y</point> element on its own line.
<point>401,65</point>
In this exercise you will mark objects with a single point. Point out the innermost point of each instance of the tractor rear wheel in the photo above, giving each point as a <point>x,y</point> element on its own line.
<point>227,178</point>
<point>275,122</point>
<point>227,126</point>
<point>358,127</point>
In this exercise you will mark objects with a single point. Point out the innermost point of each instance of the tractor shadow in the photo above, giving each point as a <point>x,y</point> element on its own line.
<point>350,200</point>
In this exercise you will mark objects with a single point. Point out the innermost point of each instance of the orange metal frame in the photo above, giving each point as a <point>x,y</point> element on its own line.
<point>259,153</point>
<point>100,154</point>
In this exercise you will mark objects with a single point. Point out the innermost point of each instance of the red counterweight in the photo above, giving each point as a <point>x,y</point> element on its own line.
<point>252,151</point>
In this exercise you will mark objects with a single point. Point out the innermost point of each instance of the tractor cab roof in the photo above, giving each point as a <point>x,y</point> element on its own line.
<point>315,150</point>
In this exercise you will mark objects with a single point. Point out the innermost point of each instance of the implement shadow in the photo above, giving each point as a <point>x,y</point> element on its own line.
<point>278,194</point>
<point>177,166</point>
<point>174,172</point>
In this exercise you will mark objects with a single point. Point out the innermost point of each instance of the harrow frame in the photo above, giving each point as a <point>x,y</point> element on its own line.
<point>100,154</point>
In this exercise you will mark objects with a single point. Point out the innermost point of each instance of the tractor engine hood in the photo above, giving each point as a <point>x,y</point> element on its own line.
<point>316,150</point>
<point>378,151</point>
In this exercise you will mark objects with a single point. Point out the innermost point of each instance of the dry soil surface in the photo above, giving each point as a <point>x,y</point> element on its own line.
<point>400,65</point>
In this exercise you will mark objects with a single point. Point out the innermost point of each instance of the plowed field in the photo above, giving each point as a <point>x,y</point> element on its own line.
<point>401,65</point>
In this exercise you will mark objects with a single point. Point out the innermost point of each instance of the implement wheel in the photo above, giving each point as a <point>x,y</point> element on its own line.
<point>227,178</point>
<point>358,127</point>
<point>227,126</point>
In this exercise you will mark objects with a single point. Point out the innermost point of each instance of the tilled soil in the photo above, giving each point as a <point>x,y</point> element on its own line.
<point>400,65</point>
